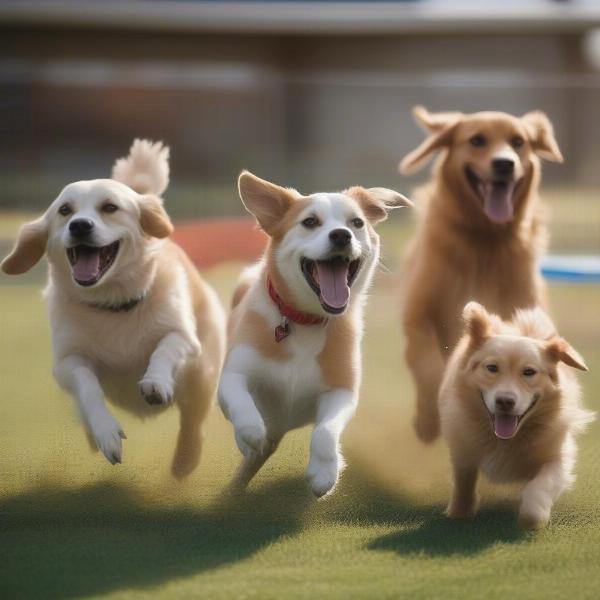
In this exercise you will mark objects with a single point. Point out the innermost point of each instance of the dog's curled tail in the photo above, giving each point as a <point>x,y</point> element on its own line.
<point>146,169</point>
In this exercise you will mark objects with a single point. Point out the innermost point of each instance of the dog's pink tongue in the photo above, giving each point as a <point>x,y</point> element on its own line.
<point>498,201</point>
<point>505,426</point>
<point>87,265</point>
<point>333,281</point>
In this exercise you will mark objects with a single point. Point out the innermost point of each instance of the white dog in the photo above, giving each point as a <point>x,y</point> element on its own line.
<point>296,325</point>
<point>128,311</point>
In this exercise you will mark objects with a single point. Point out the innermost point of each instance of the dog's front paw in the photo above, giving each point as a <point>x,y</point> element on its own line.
<point>156,390</point>
<point>251,437</point>
<point>108,434</point>
<point>322,475</point>
<point>325,463</point>
<point>462,509</point>
<point>532,520</point>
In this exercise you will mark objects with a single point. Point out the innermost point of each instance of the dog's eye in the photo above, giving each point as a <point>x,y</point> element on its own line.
<point>357,222</point>
<point>310,222</point>
<point>492,368</point>
<point>65,210</point>
<point>477,140</point>
<point>109,207</point>
<point>517,141</point>
<point>529,372</point>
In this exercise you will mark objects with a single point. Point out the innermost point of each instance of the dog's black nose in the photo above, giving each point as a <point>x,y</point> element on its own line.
<point>503,167</point>
<point>340,237</point>
<point>81,227</point>
<point>505,403</point>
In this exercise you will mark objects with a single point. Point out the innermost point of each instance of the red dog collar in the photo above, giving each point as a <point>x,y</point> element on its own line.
<point>289,313</point>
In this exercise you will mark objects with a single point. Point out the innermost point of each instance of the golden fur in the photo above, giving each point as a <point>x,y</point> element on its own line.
<point>148,332</point>
<point>541,453</point>
<point>458,254</point>
<point>203,377</point>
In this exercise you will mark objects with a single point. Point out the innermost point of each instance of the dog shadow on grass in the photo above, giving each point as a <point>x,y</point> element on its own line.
<point>59,543</point>
<point>67,543</point>
<point>424,528</point>
<point>436,535</point>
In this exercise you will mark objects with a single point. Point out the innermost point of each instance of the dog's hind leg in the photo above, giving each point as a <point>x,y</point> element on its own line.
<point>251,465</point>
<point>427,366</point>
<point>194,405</point>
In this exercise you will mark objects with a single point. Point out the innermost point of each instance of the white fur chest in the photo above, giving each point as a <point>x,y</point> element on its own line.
<point>113,341</point>
<point>285,391</point>
<point>119,342</point>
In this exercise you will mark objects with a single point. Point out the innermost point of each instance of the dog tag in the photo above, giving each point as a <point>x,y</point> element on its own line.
<point>282,330</point>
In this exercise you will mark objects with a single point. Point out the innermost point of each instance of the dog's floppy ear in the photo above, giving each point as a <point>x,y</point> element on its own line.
<point>434,122</point>
<point>29,247</point>
<point>265,200</point>
<point>478,323</point>
<point>541,136</point>
<point>154,220</point>
<point>558,349</point>
<point>441,127</point>
<point>377,202</point>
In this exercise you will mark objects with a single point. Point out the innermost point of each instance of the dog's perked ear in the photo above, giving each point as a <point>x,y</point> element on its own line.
<point>558,349</point>
<point>29,247</point>
<point>441,126</point>
<point>541,136</point>
<point>265,200</point>
<point>478,323</point>
<point>377,202</point>
<point>154,220</point>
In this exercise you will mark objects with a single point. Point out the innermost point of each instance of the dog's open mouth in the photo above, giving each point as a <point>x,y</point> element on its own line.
<point>505,425</point>
<point>497,196</point>
<point>331,280</point>
<point>90,263</point>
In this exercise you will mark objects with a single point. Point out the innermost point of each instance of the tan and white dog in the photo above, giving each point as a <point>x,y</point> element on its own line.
<point>129,313</point>
<point>296,324</point>
<point>510,407</point>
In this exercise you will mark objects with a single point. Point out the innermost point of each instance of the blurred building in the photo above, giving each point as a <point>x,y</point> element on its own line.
<point>312,94</point>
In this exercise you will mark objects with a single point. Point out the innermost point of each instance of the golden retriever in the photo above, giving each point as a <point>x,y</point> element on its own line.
<point>510,407</point>
<point>479,236</point>
<point>131,317</point>
<point>295,329</point>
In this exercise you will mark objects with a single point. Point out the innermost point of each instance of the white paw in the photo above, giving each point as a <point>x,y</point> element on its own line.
<point>532,519</point>
<point>322,475</point>
<point>251,437</point>
<point>108,435</point>
<point>156,390</point>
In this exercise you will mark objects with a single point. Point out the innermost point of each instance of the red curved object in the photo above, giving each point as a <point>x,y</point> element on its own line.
<point>213,241</point>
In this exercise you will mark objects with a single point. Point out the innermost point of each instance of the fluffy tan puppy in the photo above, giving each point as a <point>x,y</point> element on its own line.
<point>510,407</point>
<point>479,237</point>
<point>131,318</point>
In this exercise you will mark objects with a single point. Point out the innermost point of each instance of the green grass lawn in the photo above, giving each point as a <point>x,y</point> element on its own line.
<point>71,525</point>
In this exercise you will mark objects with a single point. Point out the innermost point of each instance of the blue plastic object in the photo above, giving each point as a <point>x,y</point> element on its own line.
<point>578,269</point>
